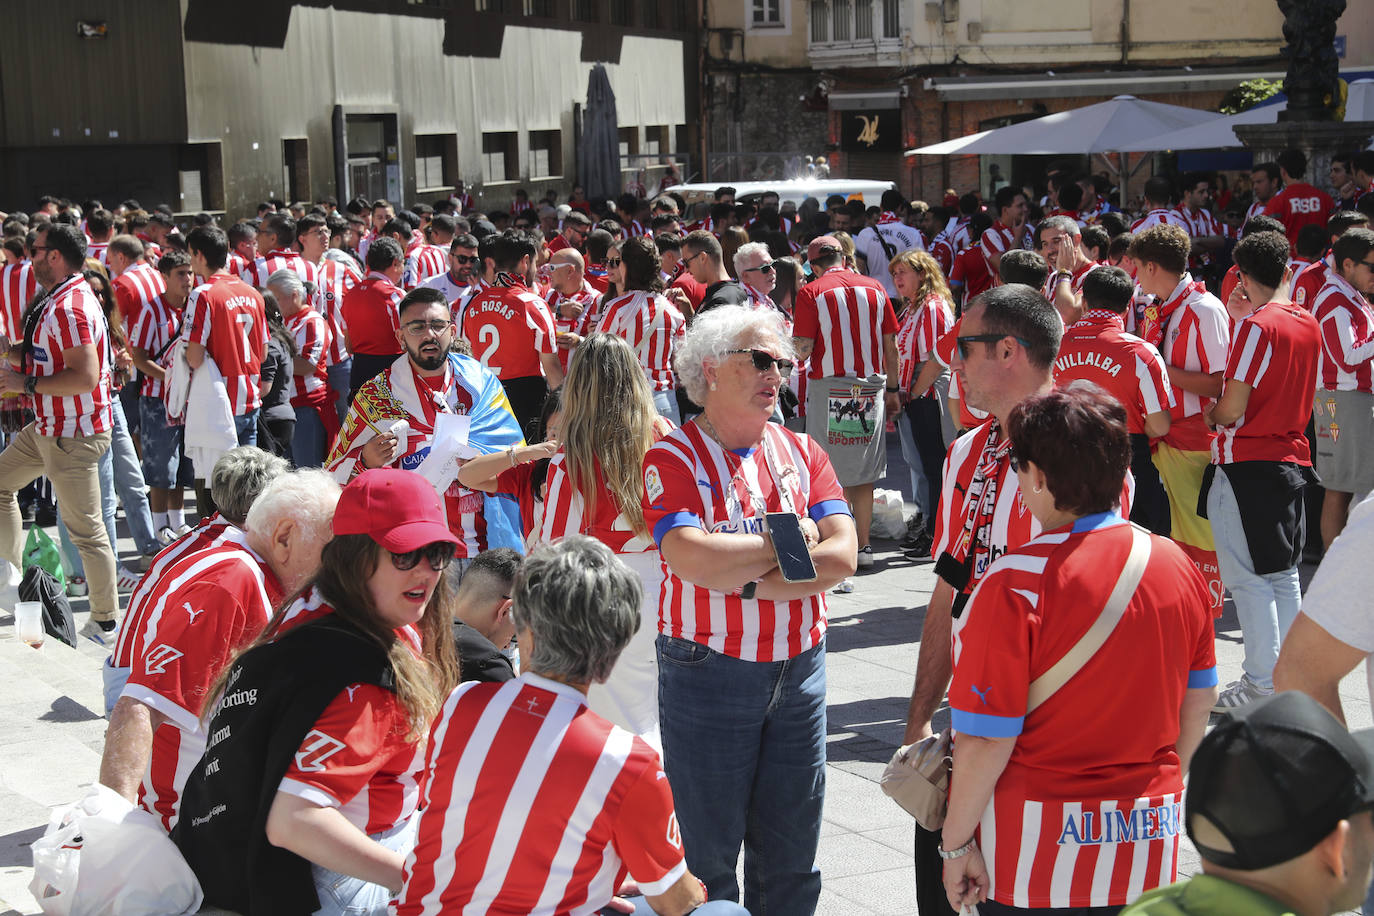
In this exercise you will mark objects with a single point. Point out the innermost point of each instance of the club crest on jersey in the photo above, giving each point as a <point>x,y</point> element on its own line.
<point>1335,433</point>
<point>653,483</point>
<point>1331,407</point>
<point>1089,828</point>
<point>315,750</point>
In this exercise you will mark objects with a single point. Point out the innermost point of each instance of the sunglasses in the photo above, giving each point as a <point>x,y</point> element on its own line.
<point>963,342</point>
<point>614,262</point>
<point>439,554</point>
<point>763,361</point>
<point>766,268</point>
<point>464,258</point>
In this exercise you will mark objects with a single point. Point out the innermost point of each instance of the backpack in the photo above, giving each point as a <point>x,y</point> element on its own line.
<point>39,585</point>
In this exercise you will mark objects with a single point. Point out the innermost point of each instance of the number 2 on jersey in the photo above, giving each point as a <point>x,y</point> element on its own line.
<point>490,333</point>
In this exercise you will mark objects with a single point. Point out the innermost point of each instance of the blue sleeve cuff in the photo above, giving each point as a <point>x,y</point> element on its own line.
<point>828,507</point>
<point>1205,678</point>
<point>675,520</point>
<point>985,726</point>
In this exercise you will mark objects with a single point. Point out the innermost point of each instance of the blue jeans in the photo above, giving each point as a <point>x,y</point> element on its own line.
<point>912,457</point>
<point>307,442</point>
<point>710,908</point>
<point>344,895</point>
<point>744,750</point>
<point>1266,605</point>
<point>338,383</point>
<point>246,425</point>
<point>666,404</point>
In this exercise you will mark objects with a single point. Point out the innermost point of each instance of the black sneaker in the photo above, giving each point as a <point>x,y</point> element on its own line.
<point>920,547</point>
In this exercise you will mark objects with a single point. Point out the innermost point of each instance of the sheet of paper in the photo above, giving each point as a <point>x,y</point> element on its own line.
<point>448,449</point>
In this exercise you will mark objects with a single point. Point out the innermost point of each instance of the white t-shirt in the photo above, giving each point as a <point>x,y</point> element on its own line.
<point>1338,598</point>
<point>900,236</point>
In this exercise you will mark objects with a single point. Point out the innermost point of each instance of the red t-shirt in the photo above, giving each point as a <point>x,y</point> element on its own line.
<point>370,314</point>
<point>1098,350</point>
<point>1276,350</point>
<point>228,318</point>
<point>1297,205</point>
<point>1308,283</point>
<point>696,292</point>
<point>972,270</point>
<point>140,284</point>
<point>509,327</point>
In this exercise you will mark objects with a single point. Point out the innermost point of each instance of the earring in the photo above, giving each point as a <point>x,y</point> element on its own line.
<point>1037,489</point>
<point>713,386</point>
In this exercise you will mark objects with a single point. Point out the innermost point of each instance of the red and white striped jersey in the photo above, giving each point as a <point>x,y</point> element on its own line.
<point>1097,349</point>
<point>1083,814</point>
<point>846,316</point>
<point>203,608</point>
<point>1276,351</point>
<point>313,337</point>
<point>1256,208</point>
<point>997,239</point>
<point>575,314</point>
<point>135,288</point>
<point>535,804</point>
<point>509,327</point>
<point>1075,282</point>
<point>96,250</point>
<point>229,319</point>
<point>335,278</point>
<point>652,326</point>
<point>1347,329</point>
<point>154,328</point>
<point>71,318</point>
<point>920,331</point>
<point>210,532</point>
<point>422,263</point>
<point>565,511</point>
<point>1191,330</point>
<point>1308,282</point>
<point>238,265</point>
<point>1160,217</point>
<point>942,249</point>
<point>18,286</point>
<point>690,481</point>
<point>1201,224</point>
<point>452,291</point>
<point>278,259</point>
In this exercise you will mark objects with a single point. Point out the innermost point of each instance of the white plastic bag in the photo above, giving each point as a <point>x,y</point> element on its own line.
<point>889,518</point>
<point>104,856</point>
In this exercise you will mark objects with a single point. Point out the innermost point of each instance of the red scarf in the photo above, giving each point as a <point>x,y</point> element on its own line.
<point>1157,316</point>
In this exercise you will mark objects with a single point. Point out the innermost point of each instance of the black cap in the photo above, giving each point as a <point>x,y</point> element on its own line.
<point>1272,779</point>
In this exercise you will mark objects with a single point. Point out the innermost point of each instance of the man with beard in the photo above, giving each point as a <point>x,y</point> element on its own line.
<point>423,383</point>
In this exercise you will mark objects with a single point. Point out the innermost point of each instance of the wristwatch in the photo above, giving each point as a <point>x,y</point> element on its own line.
<point>959,853</point>
<point>893,389</point>
<point>30,384</point>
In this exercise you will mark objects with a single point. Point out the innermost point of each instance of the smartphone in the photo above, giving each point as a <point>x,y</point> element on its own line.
<point>794,560</point>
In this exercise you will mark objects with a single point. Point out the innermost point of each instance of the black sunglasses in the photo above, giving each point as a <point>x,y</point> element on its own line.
<point>439,554</point>
<point>766,267</point>
<point>465,258</point>
<point>963,342</point>
<point>614,262</point>
<point>763,361</point>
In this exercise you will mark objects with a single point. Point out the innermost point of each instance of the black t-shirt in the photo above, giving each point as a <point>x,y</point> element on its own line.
<point>726,292</point>
<point>478,657</point>
<point>276,370</point>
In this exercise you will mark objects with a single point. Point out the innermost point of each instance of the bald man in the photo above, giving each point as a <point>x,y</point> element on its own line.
<point>571,299</point>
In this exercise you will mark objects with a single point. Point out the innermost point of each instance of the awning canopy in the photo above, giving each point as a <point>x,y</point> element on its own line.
<point>1074,85</point>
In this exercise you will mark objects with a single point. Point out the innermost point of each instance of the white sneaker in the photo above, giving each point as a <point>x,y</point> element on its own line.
<point>865,557</point>
<point>1240,693</point>
<point>126,580</point>
<point>165,535</point>
<point>10,575</point>
<point>97,634</point>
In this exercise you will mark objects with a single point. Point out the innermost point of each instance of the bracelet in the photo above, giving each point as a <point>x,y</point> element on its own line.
<point>893,389</point>
<point>510,453</point>
<point>959,853</point>
<point>30,384</point>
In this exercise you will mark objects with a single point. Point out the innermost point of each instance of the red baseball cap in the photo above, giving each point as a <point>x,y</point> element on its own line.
<point>397,509</point>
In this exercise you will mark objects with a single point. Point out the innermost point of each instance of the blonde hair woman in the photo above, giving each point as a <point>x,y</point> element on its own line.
<point>595,487</point>
<point>925,317</point>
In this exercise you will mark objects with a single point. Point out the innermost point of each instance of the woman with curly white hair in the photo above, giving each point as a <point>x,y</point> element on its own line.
<point>741,651</point>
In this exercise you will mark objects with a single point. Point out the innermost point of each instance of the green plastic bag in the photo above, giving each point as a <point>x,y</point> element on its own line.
<point>39,550</point>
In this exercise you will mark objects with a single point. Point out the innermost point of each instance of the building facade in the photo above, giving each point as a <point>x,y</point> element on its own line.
<point>215,106</point>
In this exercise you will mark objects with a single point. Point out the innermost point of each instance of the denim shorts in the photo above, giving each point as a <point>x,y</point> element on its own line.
<point>161,442</point>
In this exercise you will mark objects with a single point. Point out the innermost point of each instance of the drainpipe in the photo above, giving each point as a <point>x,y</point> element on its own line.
<point>1125,31</point>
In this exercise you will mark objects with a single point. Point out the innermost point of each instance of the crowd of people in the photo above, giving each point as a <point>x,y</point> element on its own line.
<point>506,589</point>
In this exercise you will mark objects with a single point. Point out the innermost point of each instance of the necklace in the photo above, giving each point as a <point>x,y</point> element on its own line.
<point>710,429</point>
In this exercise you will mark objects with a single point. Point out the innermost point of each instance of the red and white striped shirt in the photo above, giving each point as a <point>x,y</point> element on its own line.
<point>985,523</point>
<point>1087,811</point>
<point>1276,351</point>
<point>535,804</point>
<point>97,250</point>
<point>1306,283</point>
<point>997,239</point>
<point>846,316</point>
<point>509,327</point>
<point>690,481</point>
<point>1075,281</point>
<point>201,610</point>
<point>921,329</point>
<point>652,326</point>
<point>154,328</point>
<point>71,318</point>
<point>1201,224</point>
<point>1097,349</point>
<point>575,314</point>
<point>238,265</point>
<point>565,511</point>
<point>18,286</point>
<point>313,337</point>
<point>1160,217</point>
<point>1347,329</point>
<point>1191,330</point>
<point>278,259</point>
<point>424,262</point>
<point>139,285</point>
<point>335,278</point>
<point>229,319</point>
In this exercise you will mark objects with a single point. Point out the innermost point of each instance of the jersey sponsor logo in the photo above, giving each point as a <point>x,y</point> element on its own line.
<point>653,483</point>
<point>981,694</point>
<point>1132,825</point>
<point>39,354</point>
<point>315,750</point>
<point>412,461</point>
<point>156,661</point>
<point>192,612</point>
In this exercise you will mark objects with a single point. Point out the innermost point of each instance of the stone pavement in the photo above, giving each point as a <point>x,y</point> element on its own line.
<point>51,734</point>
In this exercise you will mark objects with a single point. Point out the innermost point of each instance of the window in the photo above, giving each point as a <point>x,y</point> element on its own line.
<point>767,12</point>
<point>820,21</point>
<point>436,160</point>
<point>654,141</point>
<point>200,177</point>
<point>542,8</point>
<point>585,10</point>
<point>495,6</point>
<point>295,159</point>
<point>629,142</point>
<point>841,19</point>
<point>853,20</point>
<point>546,153</point>
<point>891,18</point>
<point>622,12</point>
<point>863,19</point>
<point>651,17</point>
<point>499,157</point>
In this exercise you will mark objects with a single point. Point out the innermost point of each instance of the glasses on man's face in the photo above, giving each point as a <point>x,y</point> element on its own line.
<point>465,258</point>
<point>1369,264</point>
<point>439,554</point>
<point>416,328</point>
<point>614,262</point>
<point>37,248</point>
<point>763,360</point>
<point>765,268</point>
<point>963,342</point>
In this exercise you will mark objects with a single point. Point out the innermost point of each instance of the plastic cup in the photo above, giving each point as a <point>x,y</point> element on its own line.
<point>28,622</point>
